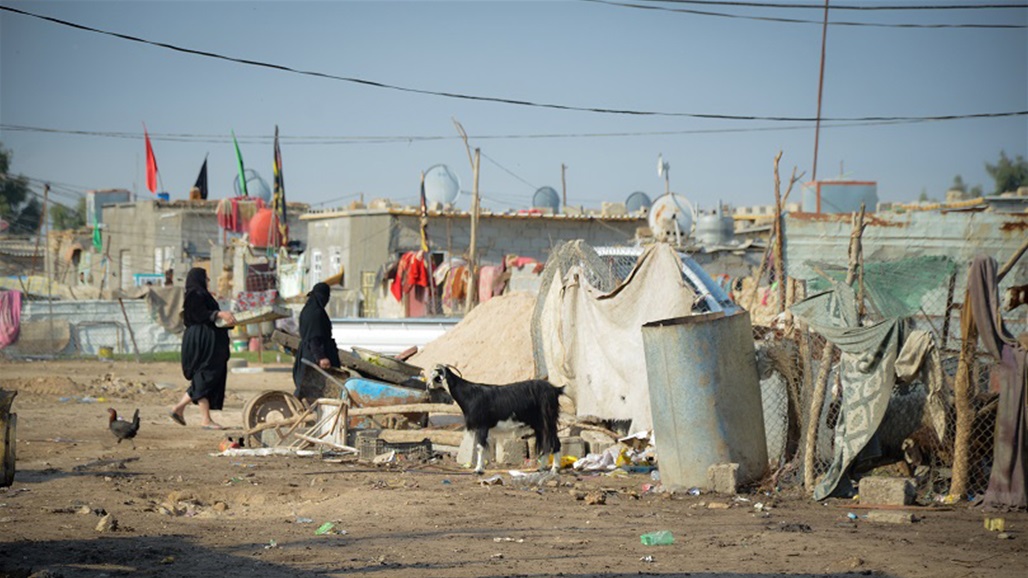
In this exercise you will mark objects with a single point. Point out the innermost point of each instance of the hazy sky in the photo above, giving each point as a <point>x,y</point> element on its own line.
<point>91,94</point>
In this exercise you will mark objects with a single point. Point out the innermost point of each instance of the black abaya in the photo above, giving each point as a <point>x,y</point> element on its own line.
<point>316,341</point>
<point>205,350</point>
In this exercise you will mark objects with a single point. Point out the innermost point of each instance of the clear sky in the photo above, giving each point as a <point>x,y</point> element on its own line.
<point>93,92</point>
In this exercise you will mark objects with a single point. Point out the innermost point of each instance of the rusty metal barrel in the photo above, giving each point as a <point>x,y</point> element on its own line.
<point>704,397</point>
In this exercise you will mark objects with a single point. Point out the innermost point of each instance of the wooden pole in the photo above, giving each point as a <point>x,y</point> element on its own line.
<point>963,387</point>
<point>472,262</point>
<point>563,185</point>
<point>779,245</point>
<point>818,396</point>
<point>46,262</point>
<point>132,335</point>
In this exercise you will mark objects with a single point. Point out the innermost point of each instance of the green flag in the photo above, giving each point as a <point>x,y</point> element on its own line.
<point>98,242</point>
<point>242,173</point>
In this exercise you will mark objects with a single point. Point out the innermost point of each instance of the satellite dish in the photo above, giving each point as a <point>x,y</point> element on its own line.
<point>671,218</point>
<point>638,201</point>
<point>256,187</point>
<point>546,198</point>
<point>441,185</point>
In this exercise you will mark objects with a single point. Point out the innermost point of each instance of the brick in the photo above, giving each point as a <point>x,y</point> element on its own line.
<point>723,478</point>
<point>886,491</point>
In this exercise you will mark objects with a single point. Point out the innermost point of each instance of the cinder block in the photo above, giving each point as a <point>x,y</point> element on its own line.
<point>466,451</point>
<point>511,452</point>
<point>574,446</point>
<point>886,491</point>
<point>723,478</point>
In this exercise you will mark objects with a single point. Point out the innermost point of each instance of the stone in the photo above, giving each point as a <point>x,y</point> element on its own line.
<point>107,524</point>
<point>723,478</point>
<point>220,506</point>
<point>882,490</point>
<point>596,498</point>
<point>890,517</point>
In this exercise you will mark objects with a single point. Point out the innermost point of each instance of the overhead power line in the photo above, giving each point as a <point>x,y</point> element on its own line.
<point>407,139</point>
<point>869,7</point>
<point>500,100</point>
<point>798,20</point>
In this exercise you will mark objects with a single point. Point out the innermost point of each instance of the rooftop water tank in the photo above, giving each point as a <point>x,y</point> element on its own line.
<point>715,228</point>
<point>546,198</point>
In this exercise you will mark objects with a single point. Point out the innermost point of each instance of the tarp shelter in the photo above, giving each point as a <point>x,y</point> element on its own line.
<point>587,335</point>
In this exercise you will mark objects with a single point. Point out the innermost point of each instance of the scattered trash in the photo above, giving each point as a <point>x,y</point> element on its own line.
<point>1005,536</point>
<point>271,544</point>
<point>324,528</point>
<point>168,560</point>
<point>496,480</point>
<point>760,507</point>
<point>646,559</point>
<point>995,524</point>
<point>304,521</point>
<point>659,538</point>
<point>386,458</point>
<point>655,475</point>
<point>509,539</point>
<point>447,482</point>
<point>496,556</point>
<point>852,516</point>
<point>693,491</point>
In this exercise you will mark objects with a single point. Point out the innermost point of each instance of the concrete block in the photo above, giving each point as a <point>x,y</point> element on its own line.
<point>511,452</point>
<point>887,491</point>
<point>723,478</point>
<point>574,446</point>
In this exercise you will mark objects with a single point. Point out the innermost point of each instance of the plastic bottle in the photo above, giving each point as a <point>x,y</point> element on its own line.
<point>660,538</point>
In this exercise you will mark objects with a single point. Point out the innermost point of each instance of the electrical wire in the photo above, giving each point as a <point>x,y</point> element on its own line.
<point>493,99</point>
<point>873,7</point>
<point>779,19</point>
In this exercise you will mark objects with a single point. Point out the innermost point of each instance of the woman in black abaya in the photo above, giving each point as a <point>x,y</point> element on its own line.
<point>205,351</point>
<point>316,343</point>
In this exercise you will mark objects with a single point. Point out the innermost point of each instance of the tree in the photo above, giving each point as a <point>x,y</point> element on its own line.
<point>14,189</point>
<point>68,218</point>
<point>1008,174</point>
<point>958,184</point>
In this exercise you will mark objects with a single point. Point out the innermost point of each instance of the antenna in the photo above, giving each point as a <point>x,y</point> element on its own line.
<point>664,170</point>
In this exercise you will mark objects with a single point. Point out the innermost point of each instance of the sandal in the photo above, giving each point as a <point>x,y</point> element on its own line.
<point>177,418</point>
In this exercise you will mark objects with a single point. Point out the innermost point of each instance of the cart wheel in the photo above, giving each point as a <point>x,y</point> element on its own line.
<point>269,406</point>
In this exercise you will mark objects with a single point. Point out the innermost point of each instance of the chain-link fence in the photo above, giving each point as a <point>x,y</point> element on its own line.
<point>917,434</point>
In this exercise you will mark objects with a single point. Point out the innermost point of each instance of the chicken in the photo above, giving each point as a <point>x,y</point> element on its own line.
<point>123,430</point>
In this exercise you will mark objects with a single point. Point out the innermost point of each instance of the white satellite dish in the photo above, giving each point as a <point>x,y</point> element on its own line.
<point>442,185</point>
<point>671,218</point>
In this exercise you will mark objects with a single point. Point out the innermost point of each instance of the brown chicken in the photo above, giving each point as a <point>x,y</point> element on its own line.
<point>124,430</point>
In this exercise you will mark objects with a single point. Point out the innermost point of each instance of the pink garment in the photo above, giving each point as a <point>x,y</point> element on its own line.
<point>10,317</point>
<point>486,279</point>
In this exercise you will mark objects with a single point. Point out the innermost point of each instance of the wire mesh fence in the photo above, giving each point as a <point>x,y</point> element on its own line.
<point>915,439</point>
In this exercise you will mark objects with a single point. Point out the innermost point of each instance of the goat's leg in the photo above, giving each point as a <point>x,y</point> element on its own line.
<point>481,444</point>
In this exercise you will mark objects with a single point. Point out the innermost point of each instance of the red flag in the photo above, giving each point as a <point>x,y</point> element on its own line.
<point>151,164</point>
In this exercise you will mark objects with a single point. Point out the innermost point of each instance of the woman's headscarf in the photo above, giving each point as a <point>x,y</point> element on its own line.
<point>199,304</point>
<point>321,292</point>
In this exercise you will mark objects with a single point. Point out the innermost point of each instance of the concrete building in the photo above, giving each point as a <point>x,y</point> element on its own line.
<point>360,241</point>
<point>146,238</point>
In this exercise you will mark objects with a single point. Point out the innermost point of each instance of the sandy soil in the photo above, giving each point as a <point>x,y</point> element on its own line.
<point>183,512</point>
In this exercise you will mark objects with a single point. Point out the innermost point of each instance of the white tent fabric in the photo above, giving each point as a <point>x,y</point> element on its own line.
<point>592,341</point>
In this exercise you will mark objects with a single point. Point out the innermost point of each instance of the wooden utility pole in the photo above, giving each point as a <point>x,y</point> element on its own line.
<point>563,185</point>
<point>820,91</point>
<point>46,262</point>
<point>472,261</point>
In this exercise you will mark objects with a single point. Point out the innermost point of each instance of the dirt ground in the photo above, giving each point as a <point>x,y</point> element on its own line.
<point>182,511</point>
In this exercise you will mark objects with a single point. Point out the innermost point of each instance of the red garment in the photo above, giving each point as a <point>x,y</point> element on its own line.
<point>410,272</point>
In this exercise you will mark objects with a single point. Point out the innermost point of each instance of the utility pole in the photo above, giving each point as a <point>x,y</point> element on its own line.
<point>472,262</point>
<point>564,185</point>
<point>46,263</point>
<point>820,92</point>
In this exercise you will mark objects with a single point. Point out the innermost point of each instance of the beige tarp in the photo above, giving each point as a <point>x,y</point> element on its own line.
<point>592,341</point>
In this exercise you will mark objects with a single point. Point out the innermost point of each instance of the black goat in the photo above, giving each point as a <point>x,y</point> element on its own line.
<point>535,403</point>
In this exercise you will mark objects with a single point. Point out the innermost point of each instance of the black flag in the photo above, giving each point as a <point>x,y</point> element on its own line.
<point>201,181</point>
